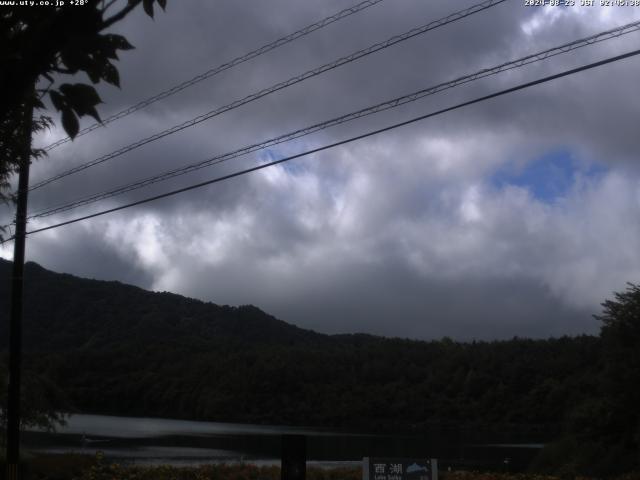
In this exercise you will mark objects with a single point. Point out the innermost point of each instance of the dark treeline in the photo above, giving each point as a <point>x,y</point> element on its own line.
<point>116,349</point>
<point>369,383</point>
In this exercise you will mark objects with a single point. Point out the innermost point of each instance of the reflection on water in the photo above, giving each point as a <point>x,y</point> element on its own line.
<point>130,427</point>
<point>180,442</point>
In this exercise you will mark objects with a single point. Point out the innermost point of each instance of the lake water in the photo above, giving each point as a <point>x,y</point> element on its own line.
<point>181,442</point>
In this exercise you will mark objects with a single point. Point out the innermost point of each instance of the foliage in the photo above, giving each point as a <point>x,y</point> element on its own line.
<point>101,470</point>
<point>11,129</point>
<point>467,475</point>
<point>54,466</point>
<point>85,467</point>
<point>111,471</point>
<point>41,401</point>
<point>159,354</point>
<point>603,429</point>
<point>620,392</point>
<point>38,45</point>
<point>621,341</point>
<point>81,467</point>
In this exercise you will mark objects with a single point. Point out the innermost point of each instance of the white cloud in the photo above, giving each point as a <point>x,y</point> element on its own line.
<point>404,232</point>
<point>544,18</point>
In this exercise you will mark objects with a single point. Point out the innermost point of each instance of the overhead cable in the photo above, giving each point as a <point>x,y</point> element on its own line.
<point>343,142</point>
<point>389,104</point>
<point>221,68</point>
<point>279,86</point>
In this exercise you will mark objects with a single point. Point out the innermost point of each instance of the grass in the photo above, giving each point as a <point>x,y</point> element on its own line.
<point>85,467</point>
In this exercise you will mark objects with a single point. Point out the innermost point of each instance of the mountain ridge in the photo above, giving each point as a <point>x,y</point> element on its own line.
<point>118,349</point>
<point>49,296</point>
<point>105,347</point>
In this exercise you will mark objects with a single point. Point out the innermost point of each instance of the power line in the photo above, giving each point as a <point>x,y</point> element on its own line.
<point>279,86</point>
<point>389,104</point>
<point>343,142</point>
<point>221,68</point>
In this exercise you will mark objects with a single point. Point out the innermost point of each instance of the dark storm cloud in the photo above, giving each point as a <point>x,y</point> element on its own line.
<point>392,300</point>
<point>403,234</point>
<point>92,259</point>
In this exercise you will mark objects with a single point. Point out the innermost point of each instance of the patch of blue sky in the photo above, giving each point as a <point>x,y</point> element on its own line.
<point>293,167</point>
<point>550,176</point>
<point>268,155</point>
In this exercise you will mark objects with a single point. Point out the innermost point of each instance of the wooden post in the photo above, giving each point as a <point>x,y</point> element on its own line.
<point>294,457</point>
<point>15,320</point>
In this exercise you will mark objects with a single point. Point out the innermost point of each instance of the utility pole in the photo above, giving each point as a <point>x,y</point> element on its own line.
<point>17,281</point>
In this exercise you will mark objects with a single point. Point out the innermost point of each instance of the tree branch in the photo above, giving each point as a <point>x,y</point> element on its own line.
<point>48,87</point>
<point>108,5</point>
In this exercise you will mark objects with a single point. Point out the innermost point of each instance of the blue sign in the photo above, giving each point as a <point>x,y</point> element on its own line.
<point>399,469</point>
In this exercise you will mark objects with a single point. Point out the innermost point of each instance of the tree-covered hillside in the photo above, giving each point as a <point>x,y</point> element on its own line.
<point>117,349</point>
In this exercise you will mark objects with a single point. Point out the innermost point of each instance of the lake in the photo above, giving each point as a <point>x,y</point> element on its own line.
<point>182,442</point>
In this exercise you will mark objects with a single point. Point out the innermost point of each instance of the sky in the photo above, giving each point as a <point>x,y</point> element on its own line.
<point>517,216</point>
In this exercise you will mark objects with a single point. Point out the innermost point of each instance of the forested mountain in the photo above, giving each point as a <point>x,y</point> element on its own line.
<point>64,312</point>
<point>118,349</point>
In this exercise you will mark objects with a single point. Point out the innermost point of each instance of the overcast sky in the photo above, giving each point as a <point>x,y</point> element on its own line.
<point>516,216</point>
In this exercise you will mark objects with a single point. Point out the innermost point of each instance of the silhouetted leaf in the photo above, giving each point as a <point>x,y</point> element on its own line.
<point>70,123</point>
<point>93,72</point>
<point>37,104</point>
<point>106,48</point>
<point>110,75</point>
<point>79,93</point>
<point>91,111</point>
<point>57,100</point>
<point>82,98</point>
<point>71,42</point>
<point>72,58</point>
<point>119,42</point>
<point>148,7</point>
